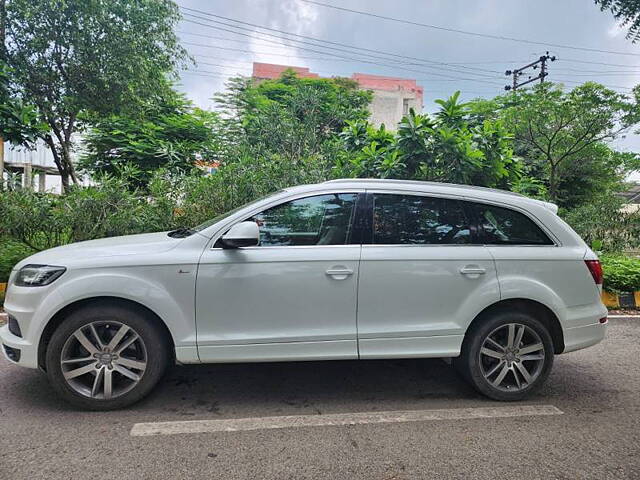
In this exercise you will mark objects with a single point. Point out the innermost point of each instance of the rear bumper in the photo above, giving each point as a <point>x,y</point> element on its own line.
<point>583,337</point>
<point>581,326</point>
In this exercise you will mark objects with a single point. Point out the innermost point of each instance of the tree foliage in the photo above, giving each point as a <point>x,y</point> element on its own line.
<point>454,145</point>
<point>567,131</point>
<point>19,123</point>
<point>73,58</point>
<point>291,117</point>
<point>626,12</point>
<point>170,134</point>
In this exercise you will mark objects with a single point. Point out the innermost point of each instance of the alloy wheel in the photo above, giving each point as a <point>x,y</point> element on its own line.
<point>103,359</point>
<point>512,357</point>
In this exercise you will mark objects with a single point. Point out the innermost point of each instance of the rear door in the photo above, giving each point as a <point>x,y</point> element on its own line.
<point>527,253</point>
<point>423,276</point>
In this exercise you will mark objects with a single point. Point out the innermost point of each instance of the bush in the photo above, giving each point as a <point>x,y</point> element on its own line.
<point>116,207</point>
<point>43,221</point>
<point>621,273</point>
<point>11,252</point>
<point>605,223</point>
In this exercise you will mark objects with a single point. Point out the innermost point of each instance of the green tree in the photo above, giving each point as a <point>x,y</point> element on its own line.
<point>171,134</point>
<point>560,130</point>
<point>74,59</point>
<point>626,12</point>
<point>292,117</point>
<point>18,122</point>
<point>456,145</point>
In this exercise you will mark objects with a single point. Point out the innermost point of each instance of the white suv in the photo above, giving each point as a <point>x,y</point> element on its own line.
<point>347,269</point>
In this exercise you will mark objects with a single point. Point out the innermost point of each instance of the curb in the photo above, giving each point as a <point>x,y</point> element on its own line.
<point>628,299</point>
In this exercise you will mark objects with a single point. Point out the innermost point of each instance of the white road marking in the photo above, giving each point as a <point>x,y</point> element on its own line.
<point>623,316</point>
<point>336,419</point>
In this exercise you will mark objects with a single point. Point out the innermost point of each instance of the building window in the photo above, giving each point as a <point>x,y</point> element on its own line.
<point>405,106</point>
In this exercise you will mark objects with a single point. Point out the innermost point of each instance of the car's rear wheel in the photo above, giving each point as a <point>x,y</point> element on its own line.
<point>507,356</point>
<point>104,357</point>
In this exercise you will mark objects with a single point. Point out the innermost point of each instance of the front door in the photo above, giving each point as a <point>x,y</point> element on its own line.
<point>423,277</point>
<point>292,297</point>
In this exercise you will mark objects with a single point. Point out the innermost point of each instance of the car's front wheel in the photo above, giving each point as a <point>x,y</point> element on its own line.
<point>507,355</point>
<point>104,357</point>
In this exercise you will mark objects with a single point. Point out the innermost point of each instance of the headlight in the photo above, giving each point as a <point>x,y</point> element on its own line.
<point>37,275</point>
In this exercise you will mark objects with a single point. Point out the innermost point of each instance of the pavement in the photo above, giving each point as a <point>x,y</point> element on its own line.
<point>587,425</point>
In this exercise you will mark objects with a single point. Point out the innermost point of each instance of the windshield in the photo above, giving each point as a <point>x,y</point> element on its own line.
<point>208,223</point>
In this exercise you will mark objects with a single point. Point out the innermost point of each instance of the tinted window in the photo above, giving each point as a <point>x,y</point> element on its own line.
<point>319,220</point>
<point>502,226</point>
<point>412,219</point>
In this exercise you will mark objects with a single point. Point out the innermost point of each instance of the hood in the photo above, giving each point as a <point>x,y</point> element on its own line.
<point>146,243</point>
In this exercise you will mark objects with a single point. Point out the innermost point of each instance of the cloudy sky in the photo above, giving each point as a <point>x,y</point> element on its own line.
<point>442,61</point>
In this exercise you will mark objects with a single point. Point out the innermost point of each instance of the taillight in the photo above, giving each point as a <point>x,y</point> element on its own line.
<point>596,270</point>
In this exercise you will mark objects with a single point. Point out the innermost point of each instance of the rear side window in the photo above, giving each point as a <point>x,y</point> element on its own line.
<point>414,219</point>
<point>503,226</point>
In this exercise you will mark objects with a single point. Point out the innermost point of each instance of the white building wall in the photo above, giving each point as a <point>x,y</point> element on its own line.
<point>389,107</point>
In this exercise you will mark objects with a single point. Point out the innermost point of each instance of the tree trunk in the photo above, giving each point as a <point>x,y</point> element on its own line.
<point>553,183</point>
<point>61,150</point>
<point>61,163</point>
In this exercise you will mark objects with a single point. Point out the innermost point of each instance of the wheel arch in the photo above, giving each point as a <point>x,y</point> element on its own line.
<point>537,309</point>
<point>55,321</point>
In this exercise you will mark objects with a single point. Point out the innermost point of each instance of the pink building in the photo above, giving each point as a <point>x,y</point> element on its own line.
<point>392,97</point>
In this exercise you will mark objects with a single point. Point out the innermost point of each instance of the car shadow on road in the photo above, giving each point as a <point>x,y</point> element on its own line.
<point>287,388</point>
<point>309,387</point>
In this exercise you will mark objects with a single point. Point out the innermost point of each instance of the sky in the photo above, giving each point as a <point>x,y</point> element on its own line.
<point>442,61</point>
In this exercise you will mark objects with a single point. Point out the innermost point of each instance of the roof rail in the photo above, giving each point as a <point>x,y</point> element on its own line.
<point>420,182</point>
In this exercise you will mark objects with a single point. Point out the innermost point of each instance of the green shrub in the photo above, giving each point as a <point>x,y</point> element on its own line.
<point>114,206</point>
<point>621,273</point>
<point>108,209</point>
<point>605,222</point>
<point>11,252</point>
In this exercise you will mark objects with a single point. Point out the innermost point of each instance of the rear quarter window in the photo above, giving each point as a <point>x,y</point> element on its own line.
<point>504,226</point>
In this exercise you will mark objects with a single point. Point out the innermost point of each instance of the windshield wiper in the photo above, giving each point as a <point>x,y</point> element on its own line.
<point>181,232</point>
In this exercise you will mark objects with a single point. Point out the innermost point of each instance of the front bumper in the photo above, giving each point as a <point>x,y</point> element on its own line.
<point>24,304</point>
<point>28,352</point>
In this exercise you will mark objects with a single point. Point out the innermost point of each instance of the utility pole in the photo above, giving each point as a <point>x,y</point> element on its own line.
<point>542,62</point>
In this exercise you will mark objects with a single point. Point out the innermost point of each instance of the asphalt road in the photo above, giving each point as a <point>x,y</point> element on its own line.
<point>598,436</point>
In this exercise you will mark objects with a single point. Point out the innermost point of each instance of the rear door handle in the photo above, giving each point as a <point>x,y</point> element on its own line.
<point>339,273</point>
<point>472,270</point>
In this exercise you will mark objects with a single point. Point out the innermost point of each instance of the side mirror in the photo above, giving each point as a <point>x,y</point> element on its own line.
<point>243,234</point>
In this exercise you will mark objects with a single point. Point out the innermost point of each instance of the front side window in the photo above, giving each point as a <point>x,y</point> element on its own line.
<point>319,220</point>
<point>503,226</point>
<point>413,219</point>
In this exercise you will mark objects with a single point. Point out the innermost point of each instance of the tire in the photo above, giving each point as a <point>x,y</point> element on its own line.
<point>481,367</point>
<point>108,373</point>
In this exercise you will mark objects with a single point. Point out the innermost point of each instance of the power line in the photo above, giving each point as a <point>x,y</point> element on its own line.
<point>607,86</point>
<point>603,73</point>
<point>573,60</point>
<point>363,49</point>
<point>210,74</point>
<point>339,57</point>
<point>354,59</point>
<point>337,74</point>
<point>467,32</point>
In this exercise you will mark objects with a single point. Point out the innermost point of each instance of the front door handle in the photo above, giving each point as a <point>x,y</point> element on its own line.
<point>472,270</point>
<point>339,273</point>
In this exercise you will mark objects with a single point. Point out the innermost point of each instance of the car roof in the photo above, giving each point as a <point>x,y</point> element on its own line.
<point>469,191</point>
